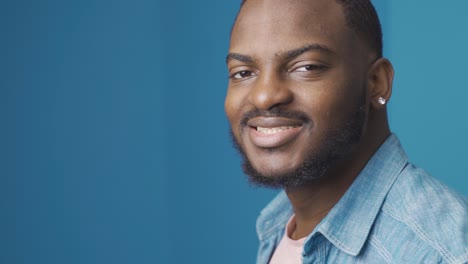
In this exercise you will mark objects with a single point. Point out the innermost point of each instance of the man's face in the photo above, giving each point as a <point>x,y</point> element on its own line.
<point>297,100</point>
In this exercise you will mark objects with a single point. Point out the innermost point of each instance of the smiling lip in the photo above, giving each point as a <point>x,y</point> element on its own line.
<point>273,132</point>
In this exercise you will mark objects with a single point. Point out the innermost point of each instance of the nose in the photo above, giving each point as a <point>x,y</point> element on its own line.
<point>269,91</point>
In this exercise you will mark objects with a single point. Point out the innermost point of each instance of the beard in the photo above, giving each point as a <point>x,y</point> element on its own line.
<point>340,141</point>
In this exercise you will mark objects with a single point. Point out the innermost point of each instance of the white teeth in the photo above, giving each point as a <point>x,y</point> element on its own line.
<point>273,130</point>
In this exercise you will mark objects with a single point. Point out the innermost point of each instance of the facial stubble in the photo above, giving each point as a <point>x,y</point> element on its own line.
<point>340,141</point>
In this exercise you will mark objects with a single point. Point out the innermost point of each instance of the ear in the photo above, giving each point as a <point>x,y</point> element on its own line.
<point>380,81</point>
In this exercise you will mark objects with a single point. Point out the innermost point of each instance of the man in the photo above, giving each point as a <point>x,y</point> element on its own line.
<point>306,103</point>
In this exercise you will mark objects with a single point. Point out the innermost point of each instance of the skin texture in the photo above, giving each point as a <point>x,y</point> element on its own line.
<point>295,63</point>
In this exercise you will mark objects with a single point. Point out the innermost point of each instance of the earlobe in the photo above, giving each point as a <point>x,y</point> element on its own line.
<point>380,83</point>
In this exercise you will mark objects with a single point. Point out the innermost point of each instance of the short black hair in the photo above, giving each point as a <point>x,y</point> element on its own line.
<point>362,17</point>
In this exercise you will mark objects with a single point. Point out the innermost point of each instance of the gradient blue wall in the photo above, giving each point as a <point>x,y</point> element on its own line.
<point>114,146</point>
<point>427,43</point>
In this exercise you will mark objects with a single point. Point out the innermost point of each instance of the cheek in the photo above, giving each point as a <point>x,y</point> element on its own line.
<point>229,109</point>
<point>326,102</point>
<point>232,110</point>
<point>232,106</point>
<point>320,99</point>
<point>342,106</point>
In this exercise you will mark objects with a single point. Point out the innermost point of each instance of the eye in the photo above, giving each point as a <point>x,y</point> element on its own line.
<point>310,67</point>
<point>242,75</point>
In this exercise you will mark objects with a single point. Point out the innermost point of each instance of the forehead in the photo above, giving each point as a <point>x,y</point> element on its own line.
<point>275,25</point>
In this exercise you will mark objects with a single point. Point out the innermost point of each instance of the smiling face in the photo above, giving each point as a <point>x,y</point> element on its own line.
<point>297,98</point>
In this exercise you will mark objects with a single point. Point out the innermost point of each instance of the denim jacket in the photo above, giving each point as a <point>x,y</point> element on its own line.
<point>393,212</point>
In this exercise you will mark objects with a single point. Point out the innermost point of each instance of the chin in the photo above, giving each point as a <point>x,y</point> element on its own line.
<point>275,170</point>
<point>280,177</point>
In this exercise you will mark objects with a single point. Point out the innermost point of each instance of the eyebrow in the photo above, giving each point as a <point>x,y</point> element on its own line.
<point>312,47</point>
<point>290,54</point>
<point>239,57</point>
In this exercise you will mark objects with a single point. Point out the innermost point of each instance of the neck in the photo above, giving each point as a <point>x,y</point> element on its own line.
<point>312,203</point>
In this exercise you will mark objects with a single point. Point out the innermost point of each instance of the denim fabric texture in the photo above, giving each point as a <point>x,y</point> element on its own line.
<point>394,212</point>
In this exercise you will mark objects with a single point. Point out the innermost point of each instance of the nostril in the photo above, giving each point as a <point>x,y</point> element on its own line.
<point>268,94</point>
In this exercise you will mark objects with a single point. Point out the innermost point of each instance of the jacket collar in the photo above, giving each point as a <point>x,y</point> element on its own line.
<point>348,224</point>
<point>274,216</point>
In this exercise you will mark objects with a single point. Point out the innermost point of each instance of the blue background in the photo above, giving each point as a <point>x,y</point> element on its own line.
<point>114,146</point>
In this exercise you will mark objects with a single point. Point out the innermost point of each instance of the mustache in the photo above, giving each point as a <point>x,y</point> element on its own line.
<point>275,112</point>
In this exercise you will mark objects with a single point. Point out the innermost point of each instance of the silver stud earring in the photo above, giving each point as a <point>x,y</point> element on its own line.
<point>382,100</point>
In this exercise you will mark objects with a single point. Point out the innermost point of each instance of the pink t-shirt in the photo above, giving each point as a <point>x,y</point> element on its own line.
<point>289,251</point>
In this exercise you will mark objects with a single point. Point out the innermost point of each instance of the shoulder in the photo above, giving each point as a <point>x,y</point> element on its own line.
<point>425,218</point>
